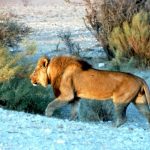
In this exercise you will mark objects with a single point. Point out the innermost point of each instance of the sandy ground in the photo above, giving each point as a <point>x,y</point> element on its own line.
<point>24,131</point>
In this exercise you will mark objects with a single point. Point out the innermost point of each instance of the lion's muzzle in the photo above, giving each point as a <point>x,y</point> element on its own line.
<point>34,84</point>
<point>33,80</point>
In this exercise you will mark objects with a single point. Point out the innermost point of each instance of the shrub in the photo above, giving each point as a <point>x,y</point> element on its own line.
<point>104,15</point>
<point>72,47</point>
<point>8,65</point>
<point>16,90</point>
<point>133,39</point>
<point>14,63</point>
<point>19,94</point>
<point>12,32</point>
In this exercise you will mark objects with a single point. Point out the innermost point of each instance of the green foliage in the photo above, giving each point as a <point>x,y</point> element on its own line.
<point>132,39</point>
<point>16,90</point>
<point>19,94</point>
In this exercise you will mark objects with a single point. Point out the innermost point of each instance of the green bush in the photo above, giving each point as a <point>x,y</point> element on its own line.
<point>19,94</point>
<point>132,39</point>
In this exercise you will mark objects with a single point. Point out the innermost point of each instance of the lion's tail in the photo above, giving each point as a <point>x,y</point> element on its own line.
<point>147,91</point>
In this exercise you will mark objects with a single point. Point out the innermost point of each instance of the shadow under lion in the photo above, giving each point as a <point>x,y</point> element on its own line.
<point>101,111</point>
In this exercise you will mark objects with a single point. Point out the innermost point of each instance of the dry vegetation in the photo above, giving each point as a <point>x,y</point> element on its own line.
<point>8,65</point>
<point>133,39</point>
<point>123,19</point>
<point>73,47</point>
<point>11,32</point>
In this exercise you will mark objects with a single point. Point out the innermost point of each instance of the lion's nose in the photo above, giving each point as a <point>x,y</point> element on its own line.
<point>33,81</point>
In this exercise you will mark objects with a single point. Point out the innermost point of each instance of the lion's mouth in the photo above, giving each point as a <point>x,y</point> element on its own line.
<point>34,84</point>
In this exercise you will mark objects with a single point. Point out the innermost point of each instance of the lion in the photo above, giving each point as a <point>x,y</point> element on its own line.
<point>72,78</point>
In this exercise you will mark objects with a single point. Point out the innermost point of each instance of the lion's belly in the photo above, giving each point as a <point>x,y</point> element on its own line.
<point>94,96</point>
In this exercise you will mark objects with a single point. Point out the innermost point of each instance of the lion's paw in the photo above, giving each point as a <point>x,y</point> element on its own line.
<point>48,113</point>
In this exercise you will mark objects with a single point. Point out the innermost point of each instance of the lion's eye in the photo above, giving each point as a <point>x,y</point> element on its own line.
<point>43,66</point>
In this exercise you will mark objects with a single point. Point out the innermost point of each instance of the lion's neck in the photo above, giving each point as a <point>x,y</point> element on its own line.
<point>48,75</point>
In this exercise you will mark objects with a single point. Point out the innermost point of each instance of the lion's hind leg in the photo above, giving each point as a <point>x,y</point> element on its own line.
<point>120,114</point>
<point>142,105</point>
<point>121,101</point>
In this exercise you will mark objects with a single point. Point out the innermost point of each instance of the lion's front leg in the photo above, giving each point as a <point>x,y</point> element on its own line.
<point>66,96</point>
<point>61,101</point>
<point>53,106</point>
<point>74,110</point>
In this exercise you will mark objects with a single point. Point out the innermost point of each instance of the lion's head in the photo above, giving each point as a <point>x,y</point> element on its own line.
<point>51,71</point>
<point>39,75</point>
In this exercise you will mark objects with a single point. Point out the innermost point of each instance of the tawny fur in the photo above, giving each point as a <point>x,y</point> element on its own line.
<point>73,78</point>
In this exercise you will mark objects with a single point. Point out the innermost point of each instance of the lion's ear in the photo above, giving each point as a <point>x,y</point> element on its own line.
<point>43,62</point>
